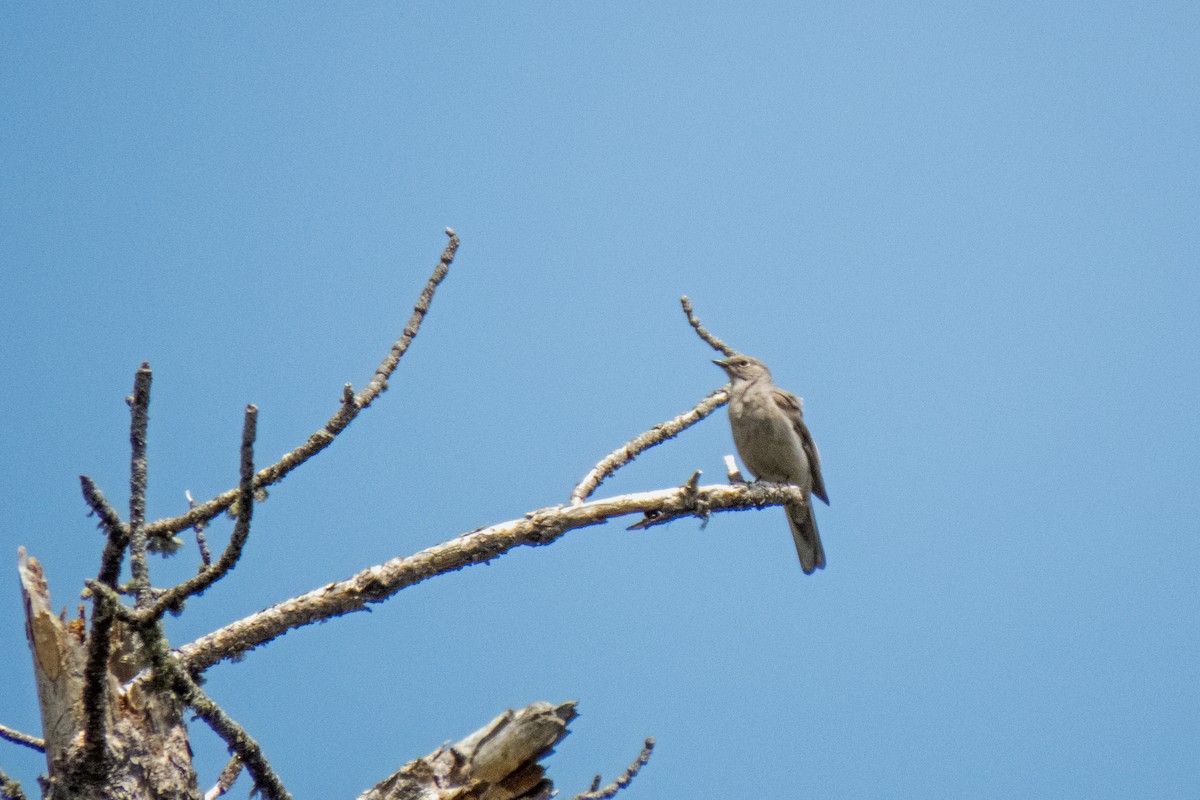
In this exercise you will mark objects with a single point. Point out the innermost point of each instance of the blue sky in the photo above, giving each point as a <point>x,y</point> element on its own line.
<point>966,235</point>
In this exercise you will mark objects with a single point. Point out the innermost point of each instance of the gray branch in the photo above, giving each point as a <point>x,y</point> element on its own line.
<point>172,597</point>
<point>702,332</point>
<point>139,408</point>
<point>609,791</point>
<point>378,583</point>
<point>348,410</point>
<point>17,737</point>
<point>639,444</point>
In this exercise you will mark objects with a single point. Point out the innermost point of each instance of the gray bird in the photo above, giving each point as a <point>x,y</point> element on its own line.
<point>775,445</point>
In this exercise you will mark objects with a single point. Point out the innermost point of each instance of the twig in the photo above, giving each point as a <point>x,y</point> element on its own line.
<point>117,532</point>
<point>620,783</point>
<point>376,584</point>
<point>713,341</point>
<point>172,597</point>
<point>139,405</point>
<point>17,737</point>
<point>378,382</point>
<point>9,788</point>
<point>346,413</point>
<point>239,742</point>
<point>637,445</point>
<point>201,541</point>
<point>732,471</point>
<point>226,779</point>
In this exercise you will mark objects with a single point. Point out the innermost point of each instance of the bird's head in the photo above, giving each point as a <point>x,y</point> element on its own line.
<point>743,368</point>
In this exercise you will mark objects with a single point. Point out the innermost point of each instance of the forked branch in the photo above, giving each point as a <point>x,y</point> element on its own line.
<point>644,441</point>
<point>664,430</point>
<point>376,584</point>
<point>237,540</point>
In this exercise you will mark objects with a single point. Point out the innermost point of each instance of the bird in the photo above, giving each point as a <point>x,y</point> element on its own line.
<point>775,445</point>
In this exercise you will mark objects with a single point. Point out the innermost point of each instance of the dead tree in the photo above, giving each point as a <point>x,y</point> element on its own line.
<point>114,692</point>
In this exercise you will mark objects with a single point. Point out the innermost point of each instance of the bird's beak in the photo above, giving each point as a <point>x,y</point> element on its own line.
<point>723,363</point>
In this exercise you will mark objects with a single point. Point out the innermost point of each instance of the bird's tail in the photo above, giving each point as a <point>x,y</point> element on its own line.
<point>808,541</point>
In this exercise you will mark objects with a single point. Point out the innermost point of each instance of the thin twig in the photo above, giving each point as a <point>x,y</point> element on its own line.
<point>346,413</point>
<point>139,405</point>
<point>378,382</point>
<point>226,779</point>
<point>10,789</point>
<point>172,597</point>
<point>236,739</point>
<point>17,737</point>
<point>201,541</point>
<point>378,583</point>
<point>116,531</point>
<point>731,470</point>
<point>620,783</point>
<point>713,342</point>
<point>642,442</point>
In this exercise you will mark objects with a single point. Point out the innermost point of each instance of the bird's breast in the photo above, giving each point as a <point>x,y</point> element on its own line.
<point>767,442</point>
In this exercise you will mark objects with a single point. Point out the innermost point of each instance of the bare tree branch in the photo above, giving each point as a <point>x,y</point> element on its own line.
<point>17,737</point>
<point>116,531</point>
<point>378,583</point>
<point>167,668</point>
<point>620,783</point>
<point>239,742</point>
<point>139,406</point>
<point>227,778</point>
<point>104,608</point>
<point>642,442</point>
<point>201,541</point>
<point>661,432</point>
<point>703,333</point>
<point>237,540</point>
<point>346,413</point>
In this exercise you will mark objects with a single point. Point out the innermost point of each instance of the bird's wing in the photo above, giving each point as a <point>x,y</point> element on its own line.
<point>791,406</point>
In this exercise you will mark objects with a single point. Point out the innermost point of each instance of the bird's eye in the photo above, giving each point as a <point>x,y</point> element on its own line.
<point>743,363</point>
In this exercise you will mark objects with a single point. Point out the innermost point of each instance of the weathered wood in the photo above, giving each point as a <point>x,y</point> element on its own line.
<point>58,659</point>
<point>497,762</point>
<point>147,753</point>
